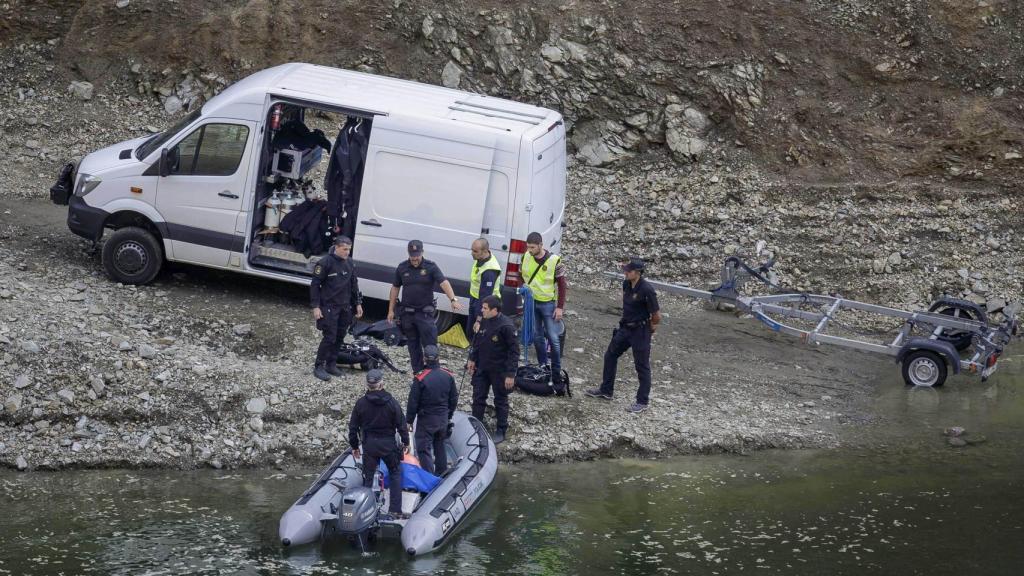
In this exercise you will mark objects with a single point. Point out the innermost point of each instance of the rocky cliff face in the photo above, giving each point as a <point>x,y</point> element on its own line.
<point>857,90</point>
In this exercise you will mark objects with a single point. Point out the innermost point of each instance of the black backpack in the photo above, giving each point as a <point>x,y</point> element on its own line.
<point>536,380</point>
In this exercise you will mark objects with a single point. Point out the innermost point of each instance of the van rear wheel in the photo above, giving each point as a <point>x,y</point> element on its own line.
<point>444,321</point>
<point>132,255</point>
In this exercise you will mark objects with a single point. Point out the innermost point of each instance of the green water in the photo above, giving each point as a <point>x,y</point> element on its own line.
<point>911,504</point>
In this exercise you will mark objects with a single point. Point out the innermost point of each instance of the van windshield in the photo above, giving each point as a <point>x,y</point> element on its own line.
<point>157,140</point>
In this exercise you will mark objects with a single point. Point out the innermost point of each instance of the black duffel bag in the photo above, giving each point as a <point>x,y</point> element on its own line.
<point>387,332</point>
<point>365,355</point>
<point>536,380</point>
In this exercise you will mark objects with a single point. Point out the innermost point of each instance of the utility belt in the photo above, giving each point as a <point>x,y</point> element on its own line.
<point>427,309</point>
<point>637,324</point>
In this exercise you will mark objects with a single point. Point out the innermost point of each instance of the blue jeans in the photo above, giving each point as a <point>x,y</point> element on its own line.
<point>546,331</point>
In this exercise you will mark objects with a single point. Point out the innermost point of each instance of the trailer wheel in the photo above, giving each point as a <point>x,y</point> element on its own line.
<point>959,339</point>
<point>924,368</point>
<point>132,255</point>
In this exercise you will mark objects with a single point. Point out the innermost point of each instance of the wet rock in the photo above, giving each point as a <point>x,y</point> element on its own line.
<point>81,90</point>
<point>956,442</point>
<point>256,405</point>
<point>122,3</point>
<point>242,329</point>
<point>954,431</point>
<point>21,463</point>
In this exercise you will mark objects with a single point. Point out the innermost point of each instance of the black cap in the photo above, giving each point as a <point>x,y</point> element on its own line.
<point>341,240</point>
<point>415,248</point>
<point>431,351</point>
<point>373,377</point>
<point>634,264</point>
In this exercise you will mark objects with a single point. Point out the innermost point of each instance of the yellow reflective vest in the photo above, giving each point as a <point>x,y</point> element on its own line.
<point>478,270</point>
<point>543,285</point>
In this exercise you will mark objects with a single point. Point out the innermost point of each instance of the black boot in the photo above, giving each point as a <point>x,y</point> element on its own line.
<point>320,373</point>
<point>498,437</point>
<point>333,370</point>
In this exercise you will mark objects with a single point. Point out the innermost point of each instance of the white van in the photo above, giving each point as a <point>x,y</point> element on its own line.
<point>439,165</point>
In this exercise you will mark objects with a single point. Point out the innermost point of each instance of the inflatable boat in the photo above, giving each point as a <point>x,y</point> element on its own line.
<point>337,504</point>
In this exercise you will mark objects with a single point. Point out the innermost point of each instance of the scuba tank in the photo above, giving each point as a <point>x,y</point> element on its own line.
<point>287,204</point>
<point>272,215</point>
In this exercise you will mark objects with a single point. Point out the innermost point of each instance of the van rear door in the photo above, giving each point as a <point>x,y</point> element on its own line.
<point>422,181</point>
<point>546,204</point>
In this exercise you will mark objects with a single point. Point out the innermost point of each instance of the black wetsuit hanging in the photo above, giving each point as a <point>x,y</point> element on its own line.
<point>345,174</point>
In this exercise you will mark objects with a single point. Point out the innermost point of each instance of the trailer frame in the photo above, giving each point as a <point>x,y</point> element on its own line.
<point>960,335</point>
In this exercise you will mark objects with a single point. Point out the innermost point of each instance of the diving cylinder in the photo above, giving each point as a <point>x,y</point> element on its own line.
<point>287,204</point>
<point>272,217</point>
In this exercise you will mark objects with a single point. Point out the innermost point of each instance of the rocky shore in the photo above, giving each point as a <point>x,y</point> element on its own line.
<point>888,173</point>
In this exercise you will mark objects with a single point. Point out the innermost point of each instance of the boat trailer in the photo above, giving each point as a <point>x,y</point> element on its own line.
<point>952,334</point>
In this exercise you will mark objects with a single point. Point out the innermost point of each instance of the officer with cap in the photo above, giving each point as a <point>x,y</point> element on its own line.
<point>433,397</point>
<point>493,361</point>
<point>640,319</point>
<point>377,416</point>
<point>334,296</point>
<point>416,278</point>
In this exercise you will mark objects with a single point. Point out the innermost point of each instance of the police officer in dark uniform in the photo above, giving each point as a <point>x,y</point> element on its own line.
<point>416,278</point>
<point>433,397</point>
<point>493,361</point>
<point>640,319</point>
<point>334,296</point>
<point>377,416</point>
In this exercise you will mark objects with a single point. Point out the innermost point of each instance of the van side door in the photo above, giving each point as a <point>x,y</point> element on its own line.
<point>201,196</point>
<point>422,183</point>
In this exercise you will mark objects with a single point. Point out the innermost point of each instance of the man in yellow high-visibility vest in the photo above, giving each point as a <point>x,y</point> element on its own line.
<point>544,273</point>
<point>483,281</point>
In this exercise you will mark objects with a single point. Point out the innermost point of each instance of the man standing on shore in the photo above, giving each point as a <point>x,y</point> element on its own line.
<point>416,278</point>
<point>483,280</point>
<point>334,296</point>
<point>493,361</point>
<point>640,319</point>
<point>544,273</point>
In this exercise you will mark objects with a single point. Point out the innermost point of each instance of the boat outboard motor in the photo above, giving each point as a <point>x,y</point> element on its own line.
<point>358,513</point>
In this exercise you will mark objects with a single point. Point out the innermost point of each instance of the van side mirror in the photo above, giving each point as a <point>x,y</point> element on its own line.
<point>165,165</point>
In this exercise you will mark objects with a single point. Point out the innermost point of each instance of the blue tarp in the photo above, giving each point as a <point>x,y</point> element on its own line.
<point>526,330</point>
<point>413,477</point>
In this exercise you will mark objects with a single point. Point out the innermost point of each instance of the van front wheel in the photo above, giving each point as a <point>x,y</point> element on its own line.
<point>132,255</point>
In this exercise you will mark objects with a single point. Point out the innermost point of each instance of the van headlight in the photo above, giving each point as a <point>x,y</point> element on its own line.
<point>86,183</point>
